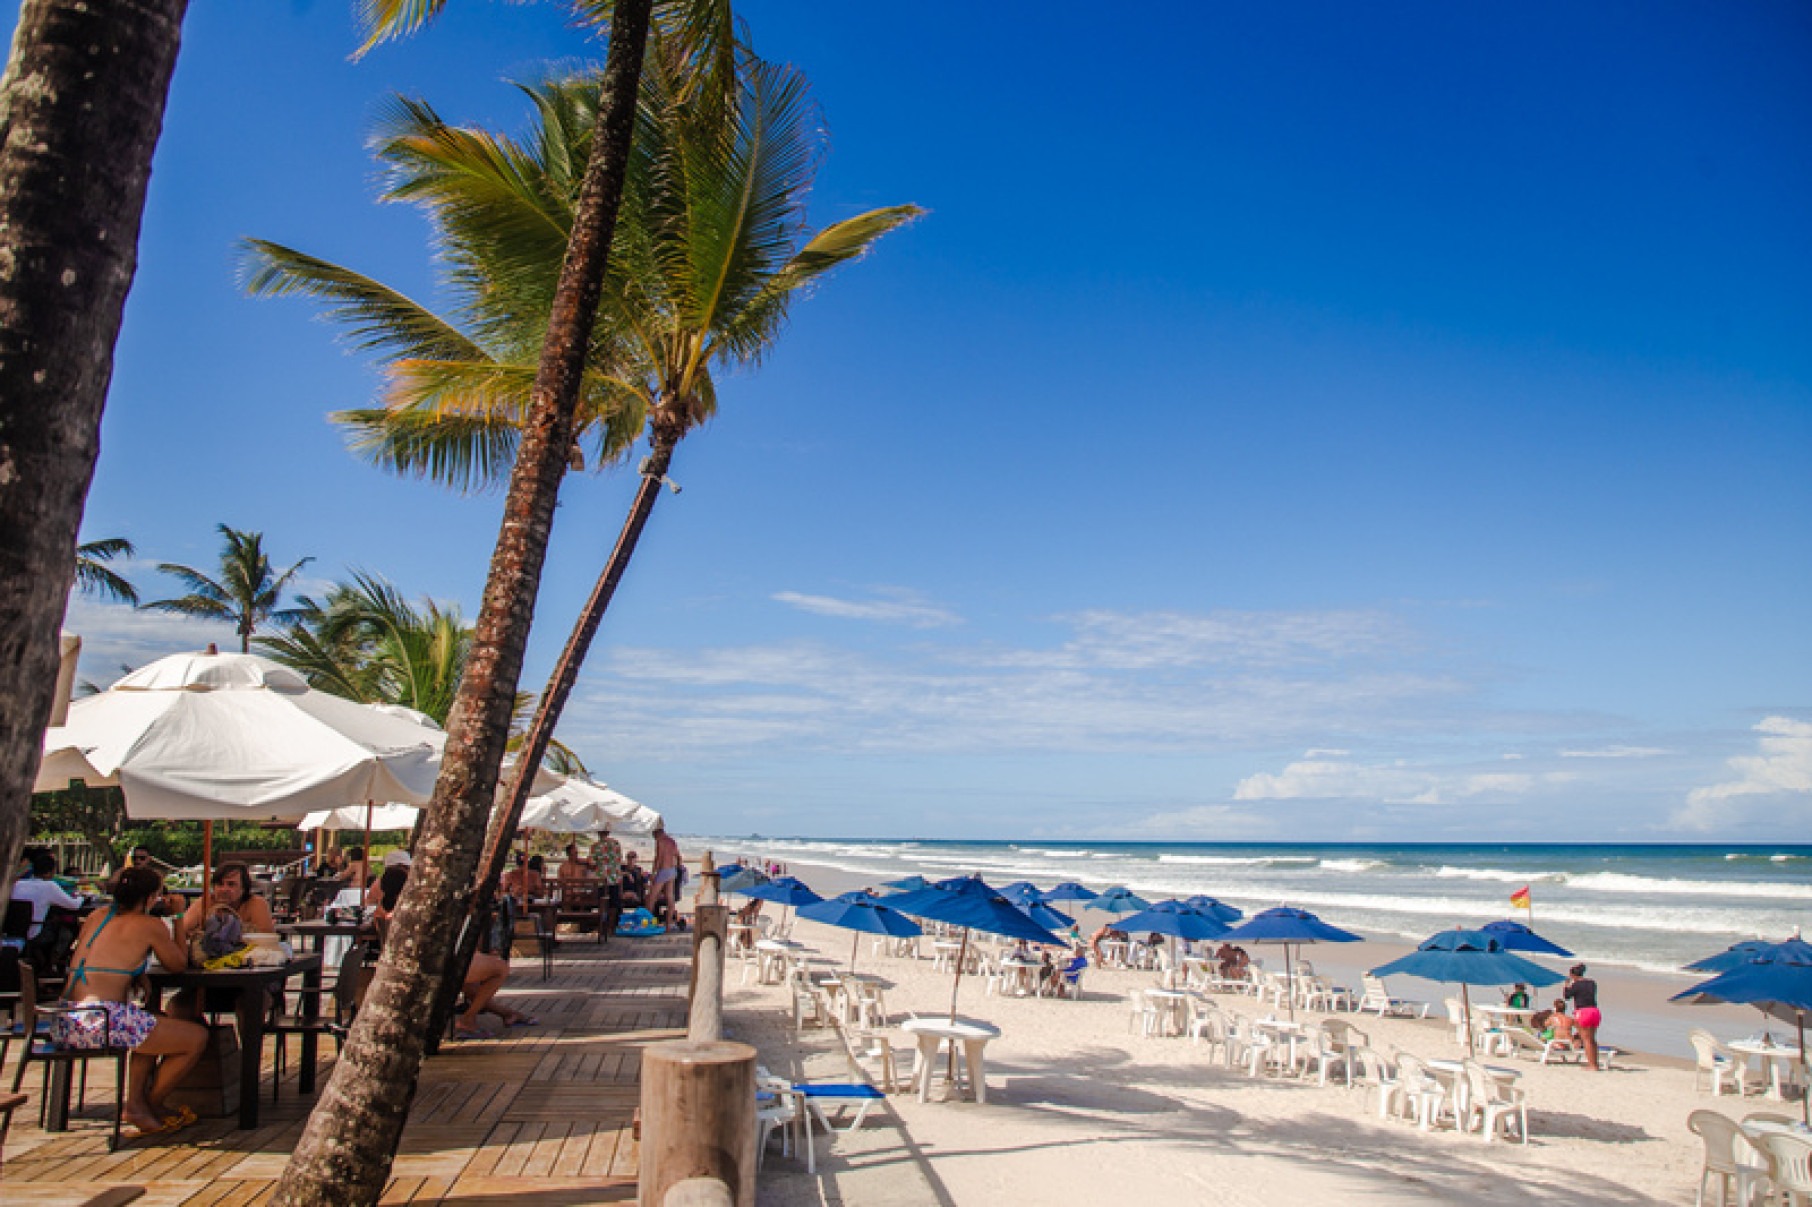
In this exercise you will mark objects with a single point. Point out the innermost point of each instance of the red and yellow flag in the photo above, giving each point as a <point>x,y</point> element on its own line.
<point>1520,899</point>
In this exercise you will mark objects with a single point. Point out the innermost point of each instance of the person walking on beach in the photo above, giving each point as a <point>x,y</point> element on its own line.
<point>665,886</point>
<point>1582,993</point>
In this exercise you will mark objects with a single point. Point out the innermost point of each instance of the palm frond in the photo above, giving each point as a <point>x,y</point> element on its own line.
<point>93,577</point>
<point>377,318</point>
<point>467,453</point>
<point>752,328</point>
<point>383,20</point>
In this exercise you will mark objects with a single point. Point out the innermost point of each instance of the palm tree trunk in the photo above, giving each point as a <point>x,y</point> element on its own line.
<point>81,106</point>
<point>547,712</point>
<point>346,1150</point>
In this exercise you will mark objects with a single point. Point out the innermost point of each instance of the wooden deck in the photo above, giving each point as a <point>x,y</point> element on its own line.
<point>539,1116</point>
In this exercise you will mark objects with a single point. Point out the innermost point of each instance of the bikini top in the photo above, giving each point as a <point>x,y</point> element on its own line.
<point>78,975</point>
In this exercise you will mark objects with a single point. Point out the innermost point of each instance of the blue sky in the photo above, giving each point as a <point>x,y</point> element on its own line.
<point>1299,422</point>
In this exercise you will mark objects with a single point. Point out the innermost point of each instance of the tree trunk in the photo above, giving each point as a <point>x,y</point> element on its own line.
<point>553,701</point>
<point>345,1152</point>
<point>81,107</point>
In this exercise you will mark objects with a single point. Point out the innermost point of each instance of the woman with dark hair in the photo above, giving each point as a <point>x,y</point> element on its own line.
<point>112,952</point>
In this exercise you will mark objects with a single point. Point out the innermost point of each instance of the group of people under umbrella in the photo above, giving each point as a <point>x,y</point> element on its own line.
<point>1776,978</point>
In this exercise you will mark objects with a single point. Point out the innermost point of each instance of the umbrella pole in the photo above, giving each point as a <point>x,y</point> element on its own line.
<point>1465,1018</point>
<point>1289,982</point>
<point>1805,1094</point>
<point>365,867</point>
<point>207,868</point>
<point>962,956</point>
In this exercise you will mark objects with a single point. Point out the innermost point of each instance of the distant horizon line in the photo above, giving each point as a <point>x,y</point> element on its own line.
<point>1148,842</point>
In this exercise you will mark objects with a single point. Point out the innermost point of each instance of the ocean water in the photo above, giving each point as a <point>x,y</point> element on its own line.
<point>1654,907</point>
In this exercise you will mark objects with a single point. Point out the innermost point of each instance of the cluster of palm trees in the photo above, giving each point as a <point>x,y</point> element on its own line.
<point>648,233</point>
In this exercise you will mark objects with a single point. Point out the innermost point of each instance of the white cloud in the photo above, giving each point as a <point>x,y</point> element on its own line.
<point>1616,752</point>
<point>117,635</point>
<point>1215,822</point>
<point>903,607</point>
<point>1175,640</point>
<point>1782,768</point>
<point>1390,783</point>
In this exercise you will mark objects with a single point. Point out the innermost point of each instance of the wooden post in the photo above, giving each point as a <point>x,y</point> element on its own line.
<point>698,1119</point>
<point>705,1020</point>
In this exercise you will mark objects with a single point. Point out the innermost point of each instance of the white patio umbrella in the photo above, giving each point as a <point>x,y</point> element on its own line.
<point>353,817</point>
<point>198,737</point>
<point>581,805</point>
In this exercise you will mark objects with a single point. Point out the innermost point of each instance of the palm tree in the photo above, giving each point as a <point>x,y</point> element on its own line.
<point>246,594</point>
<point>711,255</point>
<point>366,642</point>
<point>94,577</point>
<point>345,1152</point>
<point>81,105</point>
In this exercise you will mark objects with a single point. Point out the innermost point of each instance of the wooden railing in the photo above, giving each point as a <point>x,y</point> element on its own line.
<point>698,1094</point>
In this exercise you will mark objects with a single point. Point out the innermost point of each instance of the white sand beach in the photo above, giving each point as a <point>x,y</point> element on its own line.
<point>1082,1110</point>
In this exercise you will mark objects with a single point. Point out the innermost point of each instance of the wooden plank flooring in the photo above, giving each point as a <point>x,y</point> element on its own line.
<point>538,1117</point>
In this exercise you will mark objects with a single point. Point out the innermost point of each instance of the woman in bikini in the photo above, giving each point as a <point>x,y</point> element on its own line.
<point>112,952</point>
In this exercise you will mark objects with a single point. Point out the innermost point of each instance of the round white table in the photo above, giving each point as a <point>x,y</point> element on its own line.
<point>1779,1059</point>
<point>933,1033</point>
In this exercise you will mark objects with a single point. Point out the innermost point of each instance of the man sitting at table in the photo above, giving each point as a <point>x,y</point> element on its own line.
<point>635,883</point>
<point>576,867</point>
<point>525,879</point>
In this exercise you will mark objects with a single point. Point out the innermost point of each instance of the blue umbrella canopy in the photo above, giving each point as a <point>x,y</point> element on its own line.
<point>908,884</point>
<point>785,891</point>
<point>865,914</point>
<point>1069,890</point>
<point>1514,936</point>
<point>1178,921</point>
<point>1044,915</point>
<point>1468,957</point>
<point>1218,910</point>
<point>1119,900</point>
<point>739,879</point>
<point>1022,894</point>
<point>1776,981</point>
<point>861,913</point>
<point>1287,925</point>
<point>971,904</point>
<point>1794,950</point>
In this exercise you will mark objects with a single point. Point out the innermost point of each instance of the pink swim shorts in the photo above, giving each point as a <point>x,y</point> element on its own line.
<point>1589,1017</point>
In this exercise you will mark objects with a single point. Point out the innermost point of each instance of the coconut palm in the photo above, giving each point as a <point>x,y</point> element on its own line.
<point>245,595</point>
<point>93,576</point>
<point>81,104</point>
<point>345,1152</point>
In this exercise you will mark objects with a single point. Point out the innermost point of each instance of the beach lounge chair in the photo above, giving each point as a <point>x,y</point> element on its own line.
<point>1729,1158</point>
<point>1717,1063</point>
<point>818,1096</point>
<point>1377,998</point>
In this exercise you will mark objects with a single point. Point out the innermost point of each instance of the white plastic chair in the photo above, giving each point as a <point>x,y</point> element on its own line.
<point>1378,999</point>
<point>1494,1103</point>
<point>1423,1094</point>
<point>1144,1016</point>
<point>1376,1072</point>
<point>1725,1147</point>
<point>1790,1159</point>
<point>1718,1063</point>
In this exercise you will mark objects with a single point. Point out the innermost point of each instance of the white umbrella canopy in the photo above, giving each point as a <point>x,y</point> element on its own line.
<point>207,736</point>
<point>352,817</point>
<point>584,806</point>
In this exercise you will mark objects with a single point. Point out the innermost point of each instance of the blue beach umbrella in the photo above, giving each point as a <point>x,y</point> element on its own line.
<point>740,879</point>
<point>1289,927</point>
<point>1514,936</point>
<point>1022,894</point>
<point>1044,915</point>
<point>861,913</point>
<point>1734,956</point>
<point>1778,982</point>
<point>1219,910</point>
<point>1119,900</point>
<point>972,905</point>
<point>785,891</point>
<point>1468,957</point>
<point>907,884</point>
<point>1069,890</point>
<point>1175,919</point>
